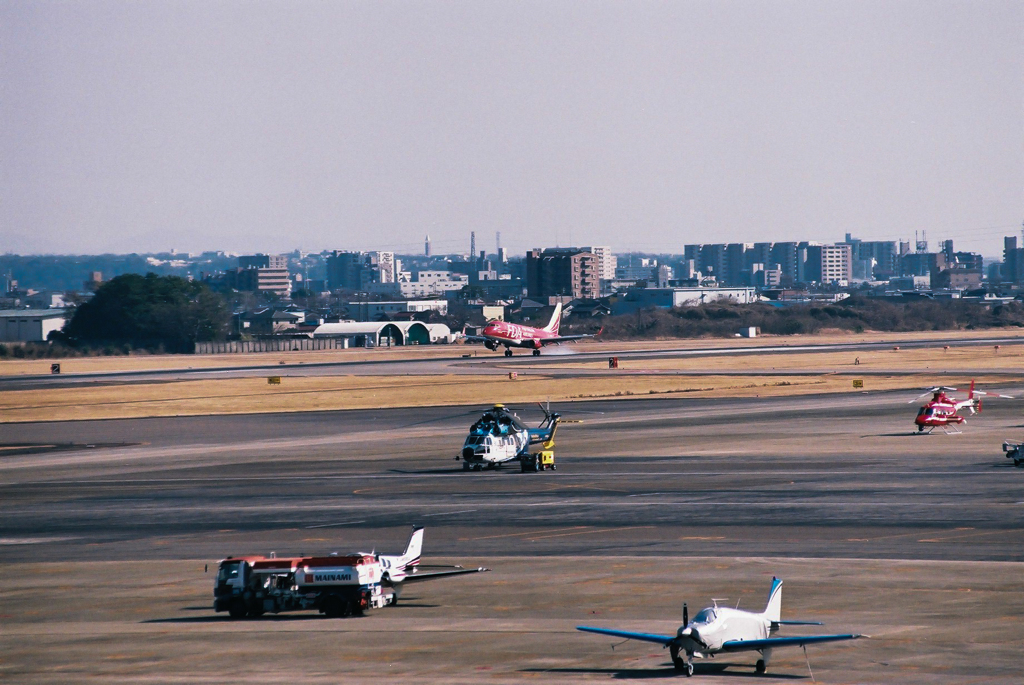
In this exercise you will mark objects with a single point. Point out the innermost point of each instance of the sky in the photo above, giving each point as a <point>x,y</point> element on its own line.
<point>251,126</point>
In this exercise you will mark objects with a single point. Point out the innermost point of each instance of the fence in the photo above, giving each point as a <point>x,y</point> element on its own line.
<point>283,345</point>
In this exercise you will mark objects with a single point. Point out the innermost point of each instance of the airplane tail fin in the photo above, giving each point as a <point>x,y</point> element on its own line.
<point>411,556</point>
<point>773,610</point>
<point>970,393</point>
<point>556,319</point>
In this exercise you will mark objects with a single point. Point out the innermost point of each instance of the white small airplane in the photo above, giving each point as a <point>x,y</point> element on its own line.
<point>721,629</point>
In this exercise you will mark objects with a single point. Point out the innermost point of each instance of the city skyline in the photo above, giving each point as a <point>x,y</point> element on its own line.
<point>258,127</point>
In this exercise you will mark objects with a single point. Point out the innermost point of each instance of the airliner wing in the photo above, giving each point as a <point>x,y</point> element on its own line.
<point>744,645</point>
<point>662,640</point>
<point>474,338</point>
<point>562,338</point>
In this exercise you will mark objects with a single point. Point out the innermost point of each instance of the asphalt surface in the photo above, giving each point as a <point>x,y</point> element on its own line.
<point>820,476</point>
<point>106,526</point>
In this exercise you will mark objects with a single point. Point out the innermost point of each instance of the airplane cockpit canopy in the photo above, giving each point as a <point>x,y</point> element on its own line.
<point>705,616</point>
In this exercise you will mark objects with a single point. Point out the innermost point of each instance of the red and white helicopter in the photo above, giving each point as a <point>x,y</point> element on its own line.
<point>942,411</point>
<point>497,333</point>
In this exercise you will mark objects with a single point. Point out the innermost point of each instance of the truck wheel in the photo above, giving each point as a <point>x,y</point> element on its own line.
<point>237,609</point>
<point>333,607</point>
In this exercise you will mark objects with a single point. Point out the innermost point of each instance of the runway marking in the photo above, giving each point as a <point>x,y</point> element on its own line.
<point>335,525</point>
<point>560,501</point>
<point>966,535</point>
<point>561,476</point>
<point>701,537</point>
<point>516,535</point>
<point>588,532</point>
<point>448,513</point>
<point>33,541</point>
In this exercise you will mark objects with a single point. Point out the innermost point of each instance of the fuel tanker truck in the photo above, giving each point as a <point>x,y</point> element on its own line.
<point>336,585</point>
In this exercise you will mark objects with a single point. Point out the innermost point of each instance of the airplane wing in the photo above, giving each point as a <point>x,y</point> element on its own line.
<point>473,338</point>
<point>415,577</point>
<point>744,645</point>
<point>662,640</point>
<point>563,338</point>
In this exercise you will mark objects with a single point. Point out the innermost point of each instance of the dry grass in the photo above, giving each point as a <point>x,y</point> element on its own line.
<point>826,372</point>
<point>254,395</point>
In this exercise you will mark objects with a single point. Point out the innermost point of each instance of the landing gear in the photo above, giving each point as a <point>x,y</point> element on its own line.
<point>536,353</point>
<point>760,666</point>
<point>683,664</point>
<point>508,351</point>
<point>466,466</point>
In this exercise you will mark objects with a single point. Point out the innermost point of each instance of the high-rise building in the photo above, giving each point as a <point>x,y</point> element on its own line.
<point>426,246</point>
<point>1013,261</point>
<point>263,261</point>
<point>562,271</point>
<point>261,273</point>
<point>828,263</point>
<point>359,270</point>
<point>606,261</point>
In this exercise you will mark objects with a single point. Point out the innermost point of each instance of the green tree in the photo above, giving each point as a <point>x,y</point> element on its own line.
<point>150,312</point>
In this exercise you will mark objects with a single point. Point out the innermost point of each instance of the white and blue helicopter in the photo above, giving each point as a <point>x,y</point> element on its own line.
<point>720,629</point>
<point>499,436</point>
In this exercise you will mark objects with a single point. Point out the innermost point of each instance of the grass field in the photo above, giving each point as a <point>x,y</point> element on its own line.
<point>748,375</point>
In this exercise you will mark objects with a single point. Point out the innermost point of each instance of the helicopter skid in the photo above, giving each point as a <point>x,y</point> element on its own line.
<point>949,429</point>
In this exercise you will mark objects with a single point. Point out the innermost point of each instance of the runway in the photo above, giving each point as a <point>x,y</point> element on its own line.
<point>914,539</point>
<point>476,360</point>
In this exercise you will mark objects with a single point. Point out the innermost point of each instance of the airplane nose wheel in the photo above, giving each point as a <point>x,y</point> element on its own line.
<point>682,665</point>
<point>508,351</point>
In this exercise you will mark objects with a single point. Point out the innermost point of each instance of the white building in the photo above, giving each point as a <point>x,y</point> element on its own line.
<point>606,261</point>
<point>372,311</point>
<point>422,284</point>
<point>30,325</point>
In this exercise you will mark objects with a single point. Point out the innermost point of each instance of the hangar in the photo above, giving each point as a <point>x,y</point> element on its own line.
<point>377,333</point>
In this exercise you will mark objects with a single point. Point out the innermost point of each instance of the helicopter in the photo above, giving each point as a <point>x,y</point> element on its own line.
<point>499,436</point>
<point>941,411</point>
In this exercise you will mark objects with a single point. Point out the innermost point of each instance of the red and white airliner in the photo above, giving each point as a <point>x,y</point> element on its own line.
<point>497,333</point>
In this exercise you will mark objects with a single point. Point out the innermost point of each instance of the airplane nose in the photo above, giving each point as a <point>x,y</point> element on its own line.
<point>694,635</point>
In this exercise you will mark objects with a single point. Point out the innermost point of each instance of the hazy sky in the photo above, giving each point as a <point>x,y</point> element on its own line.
<point>270,126</point>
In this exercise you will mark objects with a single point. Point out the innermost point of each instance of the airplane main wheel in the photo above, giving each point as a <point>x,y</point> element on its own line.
<point>508,351</point>
<point>466,466</point>
<point>536,353</point>
<point>760,666</point>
